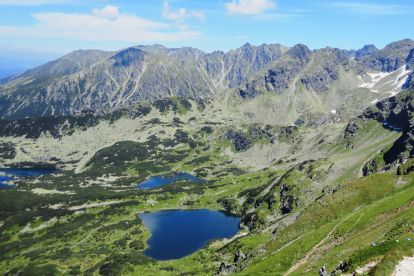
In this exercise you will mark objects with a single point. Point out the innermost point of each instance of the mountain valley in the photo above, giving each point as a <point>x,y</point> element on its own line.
<point>312,150</point>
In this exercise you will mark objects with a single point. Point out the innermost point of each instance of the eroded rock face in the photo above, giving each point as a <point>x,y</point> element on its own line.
<point>320,81</point>
<point>393,113</point>
<point>280,76</point>
<point>325,73</point>
<point>410,60</point>
<point>409,85</point>
<point>286,200</point>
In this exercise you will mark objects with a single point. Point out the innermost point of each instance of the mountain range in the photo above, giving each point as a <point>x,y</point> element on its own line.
<point>317,81</point>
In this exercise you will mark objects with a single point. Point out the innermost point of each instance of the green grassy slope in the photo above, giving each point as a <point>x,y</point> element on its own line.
<point>343,227</point>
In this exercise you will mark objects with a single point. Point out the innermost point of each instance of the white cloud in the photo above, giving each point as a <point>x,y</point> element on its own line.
<point>249,7</point>
<point>180,14</point>
<point>106,24</point>
<point>372,9</point>
<point>110,12</point>
<point>30,2</point>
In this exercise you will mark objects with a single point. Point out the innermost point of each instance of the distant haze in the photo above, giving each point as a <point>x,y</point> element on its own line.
<point>16,61</point>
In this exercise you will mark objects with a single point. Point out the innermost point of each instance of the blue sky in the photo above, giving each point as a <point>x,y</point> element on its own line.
<point>33,31</point>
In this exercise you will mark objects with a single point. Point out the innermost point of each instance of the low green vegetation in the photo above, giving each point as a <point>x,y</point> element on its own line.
<point>302,209</point>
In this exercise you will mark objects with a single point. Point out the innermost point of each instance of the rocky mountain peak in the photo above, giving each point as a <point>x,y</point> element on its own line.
<point>247,51</point>
<point>365,51</point>
<point>68,64</point>
<point>246,45</point>
<point>401,44</point>
<point>128,57</point>
<point>300,51</point>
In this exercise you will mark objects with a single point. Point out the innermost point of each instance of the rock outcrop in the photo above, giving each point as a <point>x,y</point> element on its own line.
<point>392,57</point>
<point>237,265</point>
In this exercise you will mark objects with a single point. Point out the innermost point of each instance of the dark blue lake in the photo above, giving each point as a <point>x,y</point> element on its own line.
<point>178,233</point>
<point>163,180</point>
<point>7,175</point>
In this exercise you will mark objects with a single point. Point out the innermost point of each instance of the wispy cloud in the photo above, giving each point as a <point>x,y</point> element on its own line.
<point>109,12</point>
<point>105,24</point>
<point>31,2</point>
<point>372,9</point>
<point>180,14</point>
<point>249,7</point>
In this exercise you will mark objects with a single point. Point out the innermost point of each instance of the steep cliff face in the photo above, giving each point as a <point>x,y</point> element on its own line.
<point>397,114</point>
<point>281,75</point>
<point>325,70</point>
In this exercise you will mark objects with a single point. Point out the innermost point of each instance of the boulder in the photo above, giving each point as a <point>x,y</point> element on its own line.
<point>226,269</point>
<point>323,272</point>
<point>239,257</point>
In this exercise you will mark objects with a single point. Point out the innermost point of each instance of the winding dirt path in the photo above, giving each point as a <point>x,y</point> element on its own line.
<point>312,251</point>
<point>87,236</point>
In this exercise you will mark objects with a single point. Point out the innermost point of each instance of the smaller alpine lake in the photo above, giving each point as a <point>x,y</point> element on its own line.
<point>9,174</point>
<point>178,233</point>
<point>162,180</point>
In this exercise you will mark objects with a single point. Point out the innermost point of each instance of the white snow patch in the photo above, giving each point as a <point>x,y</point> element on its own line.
<point>333,111</point>
<point>395,79</point>
<point>400,80</point>
<point>402,77</point>
<point>375,79</point>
